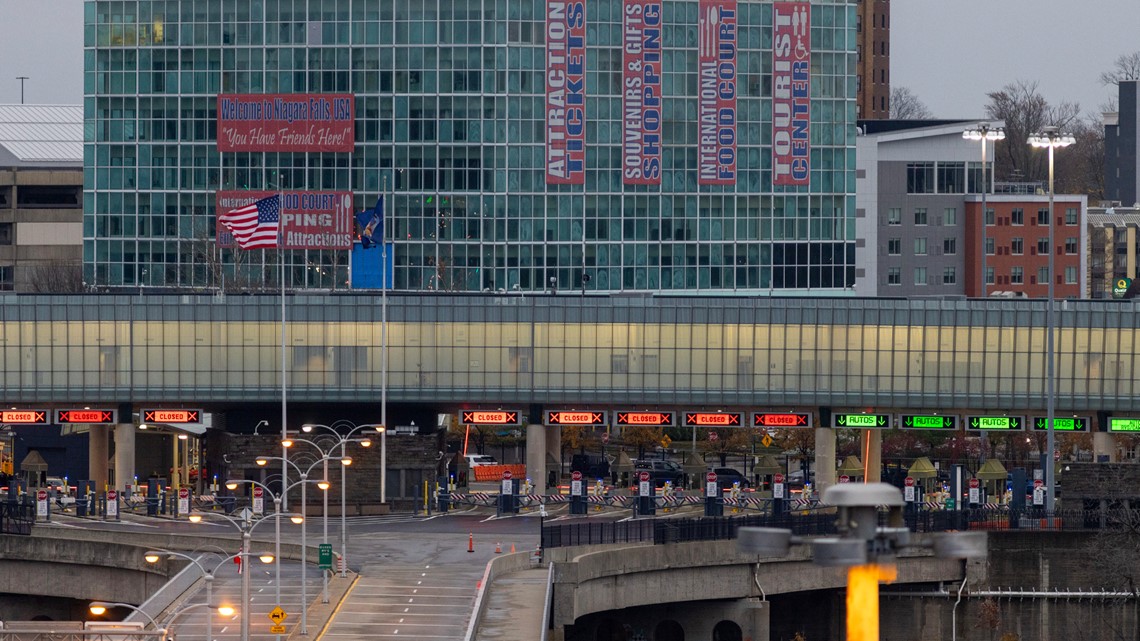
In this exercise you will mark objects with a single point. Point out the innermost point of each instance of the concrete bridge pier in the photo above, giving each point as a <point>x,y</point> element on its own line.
<point>97,456</point>
<point>1104,445</point>
<point>824,458</point>
<point>125,456</point>
<point>536,456</point>
<point>872,442</point>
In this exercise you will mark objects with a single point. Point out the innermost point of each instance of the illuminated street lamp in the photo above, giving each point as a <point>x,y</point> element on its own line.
<point>99,608</point>
<point>986,134</point>
<point>154,556</point>
<point>1050,138</point>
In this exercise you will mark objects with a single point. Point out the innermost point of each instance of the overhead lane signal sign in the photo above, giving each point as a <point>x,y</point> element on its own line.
<point>778,419</point>
<point>713,419</point>
<point>1122,424</point>
<point>181,417</point>
<point>995,423</point>
<point>64,417</point>
<point>491,417</point>
<point>575,417</point>
<point>861,421</point>
<point>1073,424</point>
<point>24,417</point>
<point>644,418</point>
<point>928,422</point>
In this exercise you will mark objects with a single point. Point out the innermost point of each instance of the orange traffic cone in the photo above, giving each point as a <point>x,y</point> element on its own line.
<point>470,542</point>
<point>498,548</point>
<point>512,548</point>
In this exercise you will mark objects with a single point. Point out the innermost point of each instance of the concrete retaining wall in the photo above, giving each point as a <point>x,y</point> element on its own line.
<point>78,569</point>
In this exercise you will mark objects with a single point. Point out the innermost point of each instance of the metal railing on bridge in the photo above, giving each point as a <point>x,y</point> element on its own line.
<point>16,518</point>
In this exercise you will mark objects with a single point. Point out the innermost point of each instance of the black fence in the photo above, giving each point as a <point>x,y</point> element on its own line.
<point>713,528</point>
<point>16,518</point>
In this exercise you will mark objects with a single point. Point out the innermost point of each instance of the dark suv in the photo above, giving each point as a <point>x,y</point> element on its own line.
<point>591,466</point>
<point>726,476</point>
<point>660,472</point>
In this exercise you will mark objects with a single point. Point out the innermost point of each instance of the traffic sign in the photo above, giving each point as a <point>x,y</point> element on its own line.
<point>766,440</point>
<point>41,495</point>
<point>324,556</point>
<point>844,479</point>
<point>86,416</point>
<point>909,482</point>
<point>1038,483</point>
<point>1122,424</point>
<point>24,417</point>
<point>606,437</point>
<point>975,483</point>
<point>710,477</point>
<point>1073,424</point>
<point>276,629</point>
<point>644,418</point>
<point>181,417</point>
<point>928,422</point>
<point>713,419</point>
<point>643,476</point>
<point>506,475</point>
<point>861,421</point>
<point>277,615</point>
<point>575,476</point>
<point>781,419</point>
<point>713,436</point>
<point>574,417</point>
<point>490,417</point>
<point>778,478</point>
<point>995,423</point>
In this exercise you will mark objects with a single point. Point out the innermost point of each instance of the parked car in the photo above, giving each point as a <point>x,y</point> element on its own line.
<point>60,491</point>
<point>726,476</point>
<point>660,471</point>
<point>592,466</point>
<point>475,460</point>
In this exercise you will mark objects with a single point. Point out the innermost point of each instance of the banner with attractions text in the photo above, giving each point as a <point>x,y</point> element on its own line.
<point>565,92</point>
<point>309,219</point>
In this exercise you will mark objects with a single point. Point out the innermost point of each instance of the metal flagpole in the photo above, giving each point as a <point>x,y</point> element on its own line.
<point>284,387</point>
<point>384,345</point>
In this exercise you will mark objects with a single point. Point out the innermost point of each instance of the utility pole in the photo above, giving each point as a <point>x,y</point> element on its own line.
<point>22,79</point>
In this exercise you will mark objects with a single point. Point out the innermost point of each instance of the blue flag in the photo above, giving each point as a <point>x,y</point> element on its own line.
<point>372,225</point>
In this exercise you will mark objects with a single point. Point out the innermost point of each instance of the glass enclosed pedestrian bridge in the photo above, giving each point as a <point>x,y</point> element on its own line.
<point>473,349</point>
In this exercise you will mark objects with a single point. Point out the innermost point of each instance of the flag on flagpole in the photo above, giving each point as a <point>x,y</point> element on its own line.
<point>256,225</point>
<point>372,224</point>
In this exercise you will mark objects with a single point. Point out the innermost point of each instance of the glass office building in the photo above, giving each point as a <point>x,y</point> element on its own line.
<point>455,110</point>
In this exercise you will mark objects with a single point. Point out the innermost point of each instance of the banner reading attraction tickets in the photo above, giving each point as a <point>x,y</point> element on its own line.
<point>286,122</point>
<point>309,219</point>
<point>641,93</point>
<point>565,92</point>
<point>716,75</point>
<point>791,93</point>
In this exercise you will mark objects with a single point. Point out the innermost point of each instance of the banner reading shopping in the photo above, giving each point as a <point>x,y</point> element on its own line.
<point>791,93</point>
<point>641,92</point>
<point>309,219</point>
<point>286,122</point>
<point>565,92</point>
<point>716,69</point>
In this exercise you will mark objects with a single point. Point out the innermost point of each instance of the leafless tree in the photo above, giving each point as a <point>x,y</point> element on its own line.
<point>1126,67</point>
<point>1025,111</point>
<point>906,105</point>
<point>1080,168</point>
<point>60,277</point>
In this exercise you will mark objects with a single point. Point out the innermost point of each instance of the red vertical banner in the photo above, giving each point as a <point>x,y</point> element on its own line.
<point>641,92</point>
<point>565,92</point>
<point>791,93</point>
<point>716,68</point>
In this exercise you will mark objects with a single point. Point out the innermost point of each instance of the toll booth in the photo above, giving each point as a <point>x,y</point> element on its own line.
<point>85,498</point>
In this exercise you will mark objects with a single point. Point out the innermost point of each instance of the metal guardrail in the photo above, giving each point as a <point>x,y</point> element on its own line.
<point>17,518</point>
<point>597,533</point>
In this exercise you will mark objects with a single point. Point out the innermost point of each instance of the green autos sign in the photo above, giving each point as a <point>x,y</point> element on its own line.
<point>324,556</point>
<point>861,421</point>
<point>1062,424</point>
<point>1124,424</point>
<point>995,423</point>
<point>920,422</point>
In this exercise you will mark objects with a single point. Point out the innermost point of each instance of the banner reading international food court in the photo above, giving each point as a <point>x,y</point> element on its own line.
<point>641,93</point>
<point>309,219</point>
<point>286,122</point>
<point>791,93</point>
<point>565,92</point>
<point>716,69</point>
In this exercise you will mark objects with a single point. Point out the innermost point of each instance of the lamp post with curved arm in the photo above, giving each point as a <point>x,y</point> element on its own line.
<point>262,461</point>
<point>153,556</point>
<point>98,608</point>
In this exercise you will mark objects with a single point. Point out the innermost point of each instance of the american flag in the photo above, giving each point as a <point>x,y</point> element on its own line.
<point>256,224</point>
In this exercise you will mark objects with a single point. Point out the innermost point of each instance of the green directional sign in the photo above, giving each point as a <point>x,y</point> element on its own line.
<point>927,422</point>
<point>324,556</point>
<point>995,423</point>
<point>1077,424</point>
<point>861,421</point>
<point>1121,424</point>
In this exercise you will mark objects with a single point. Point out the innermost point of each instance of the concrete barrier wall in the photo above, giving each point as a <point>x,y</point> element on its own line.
<point>77,569</point>
<point>495,568</point>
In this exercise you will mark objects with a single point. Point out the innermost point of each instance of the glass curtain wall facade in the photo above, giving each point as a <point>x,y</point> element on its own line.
<point>450,114</point>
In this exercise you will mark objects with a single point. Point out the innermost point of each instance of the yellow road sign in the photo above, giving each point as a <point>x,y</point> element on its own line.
<point>278,615</point>
<point>277,629</point>
<point>767,440</point>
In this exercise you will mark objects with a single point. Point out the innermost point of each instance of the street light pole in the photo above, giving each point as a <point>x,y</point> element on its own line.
<point>985,133</point>
<point>1050,138</point>
<point>22,79</point>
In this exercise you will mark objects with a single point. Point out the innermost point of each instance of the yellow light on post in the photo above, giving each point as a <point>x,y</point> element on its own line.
<point>266,558</point>
<point>297,519</point>
<point>365,443</point>
<point>324,485</point>
<point>261,462</point>
<point>231,485</point>
<point>287,443</point>
<point>98,610</point>
<point>183,437</point>
<point>346,460</point>
<point>306,428</point>
<point>152,557</point>
<point>195,518</point>
<point>863,599</point>
<point>225,610</point>
<point>380,429</point>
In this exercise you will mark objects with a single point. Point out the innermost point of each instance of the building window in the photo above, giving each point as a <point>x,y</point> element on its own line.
<point>1071,245</point>
<point>919,275</point>
<point>1070,275</point>
<point>989,275</point>
<point>5,233</point>
<point>1043,246</point>
<point>894,216</point>
<point>619,363</point>
<point>1017,276</point>
<point>1042,216</point>
<point>989,246</point>
<point>950,246</point>
<point>1043,275</point>
<point>1016,246</point>
<point>920,216</point>
<point>949,276</point>
<point>894,247</point>
<point>6,283</point>
<point>1071,215</point>
<point>920,178</point>
<point>951,178</point>
<point>989,216</point>
<point>894,276</point>
<point>1017,216</point>
<point>950,217</point>
<point>919,246</point>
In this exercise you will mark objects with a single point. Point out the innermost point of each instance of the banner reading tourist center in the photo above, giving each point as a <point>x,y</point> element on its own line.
<point>286,122</point>
<point>791,93</point>
<point>565,92</point>
<point>641,93</point>
<point>309,219</point>
<point>716,78</point>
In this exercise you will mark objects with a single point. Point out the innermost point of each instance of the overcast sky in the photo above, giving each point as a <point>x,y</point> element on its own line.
<point>948,52</point>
